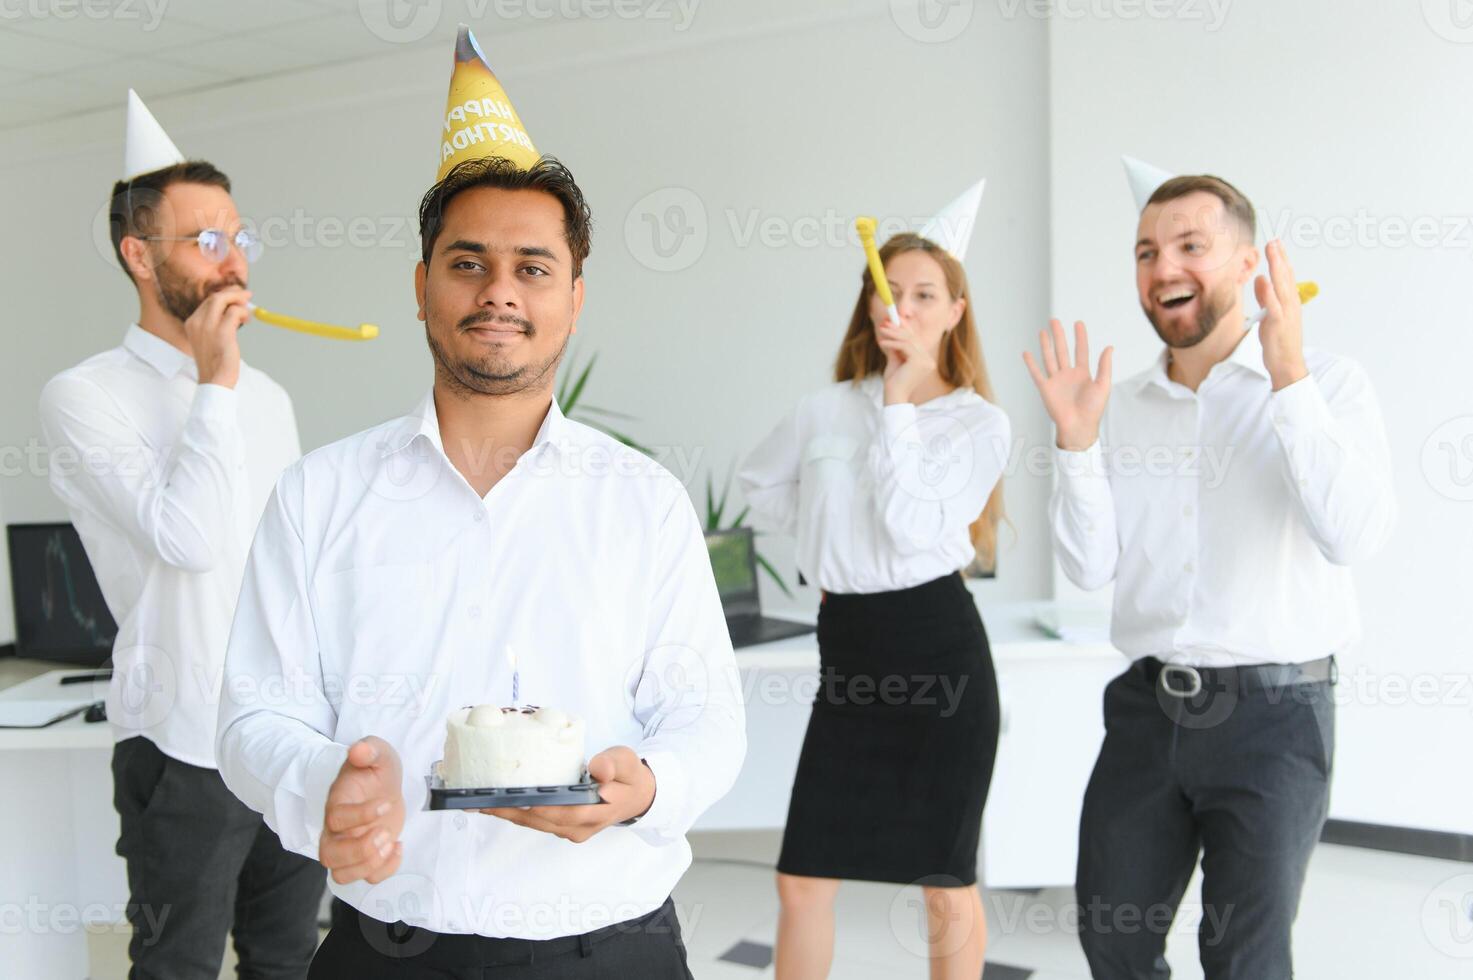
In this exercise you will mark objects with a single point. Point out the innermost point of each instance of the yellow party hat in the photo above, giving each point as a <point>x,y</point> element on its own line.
<point>479,118</point>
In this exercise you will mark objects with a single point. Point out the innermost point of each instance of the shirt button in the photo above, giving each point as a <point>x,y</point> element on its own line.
<point>1189,567</point>
<point>1186,511</point>
<point>475,612</point>
<point>460,821</point>
<point>480,516</point>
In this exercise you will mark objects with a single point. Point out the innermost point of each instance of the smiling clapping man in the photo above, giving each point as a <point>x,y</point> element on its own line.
<point>1232,588</point>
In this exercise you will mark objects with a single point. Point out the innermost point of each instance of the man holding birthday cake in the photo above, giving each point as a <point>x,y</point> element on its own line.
<point>485,553</point>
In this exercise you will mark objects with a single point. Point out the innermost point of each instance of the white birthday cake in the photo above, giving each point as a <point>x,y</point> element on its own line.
<point>488,746</point>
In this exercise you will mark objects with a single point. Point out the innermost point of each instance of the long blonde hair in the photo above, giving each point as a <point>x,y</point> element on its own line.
<point>961,363</point>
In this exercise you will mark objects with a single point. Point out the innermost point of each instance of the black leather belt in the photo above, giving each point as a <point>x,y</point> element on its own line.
<point>1186,681</point>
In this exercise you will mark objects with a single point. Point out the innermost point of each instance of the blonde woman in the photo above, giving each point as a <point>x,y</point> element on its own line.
<point>889,479</point>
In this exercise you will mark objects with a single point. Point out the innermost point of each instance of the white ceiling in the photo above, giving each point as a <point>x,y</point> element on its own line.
<point>62,57</point>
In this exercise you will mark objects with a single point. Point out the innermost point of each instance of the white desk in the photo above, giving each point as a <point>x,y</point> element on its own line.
<point>1052,725</point>
<point>59,872</point>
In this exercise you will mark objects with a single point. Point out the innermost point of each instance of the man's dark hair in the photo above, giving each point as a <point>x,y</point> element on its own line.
<point>135,203</point>
<point>547,175</point>
<point>1237,206</point>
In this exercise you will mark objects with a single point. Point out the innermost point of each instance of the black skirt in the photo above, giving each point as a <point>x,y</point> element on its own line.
<point>898,756</point>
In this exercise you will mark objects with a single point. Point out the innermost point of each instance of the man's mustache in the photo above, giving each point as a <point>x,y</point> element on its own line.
<point>476,319</point>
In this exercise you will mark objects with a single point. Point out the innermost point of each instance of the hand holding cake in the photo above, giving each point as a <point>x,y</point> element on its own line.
<point>626,784</point>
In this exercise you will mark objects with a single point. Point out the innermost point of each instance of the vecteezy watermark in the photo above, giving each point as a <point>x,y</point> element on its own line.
<point>666,230</point>
<point>830,229</point>
<point>401,898</point>
<point>1010,913</point>
<point>1364,230</point>
<point>412,692</point>
<point>1447,917</point>
<point>672,685</point>
<point>1208,464</point>
<point>677,13</point>
<point>926,925</point>
<point>929,924</point>
<point>297,229</point>
<point>1211,12</point>
<point>400,21</point>
<point>932,21</point>
<point>141,465</point>
<point>1363,686</point>
<point>937,694</point>
<point>1447,459</point>
<point>408,21</point>
<point>567,915</point>
<point>147,14</point>
<point>36,917</point>
<point>1451,20</point>
<point>411,900</point>
<point>145,687</point>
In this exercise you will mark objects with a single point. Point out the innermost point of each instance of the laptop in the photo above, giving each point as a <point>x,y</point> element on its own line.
<point>734,560</point>
<point>60,614</point>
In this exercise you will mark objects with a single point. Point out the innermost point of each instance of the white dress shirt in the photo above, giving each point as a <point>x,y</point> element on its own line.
<point>382,593</point>
<point>165,479</point>
<point>1227,517</point>
<point>880,497</point>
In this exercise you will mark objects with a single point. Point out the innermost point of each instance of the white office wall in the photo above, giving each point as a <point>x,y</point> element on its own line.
<point>1339,121</point>
<point>763,128</point>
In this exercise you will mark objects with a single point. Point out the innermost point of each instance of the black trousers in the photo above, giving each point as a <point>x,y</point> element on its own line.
<point>1239,774</point>
<point>364,948</point>
<point>201,866</point>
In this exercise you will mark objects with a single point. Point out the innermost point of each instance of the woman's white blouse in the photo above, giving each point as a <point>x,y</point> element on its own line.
<point>880,497</point>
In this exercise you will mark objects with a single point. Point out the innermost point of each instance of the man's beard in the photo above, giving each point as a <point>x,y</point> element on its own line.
<point>181,296</point>
<point>1211,308</point>
<point>492,373</point>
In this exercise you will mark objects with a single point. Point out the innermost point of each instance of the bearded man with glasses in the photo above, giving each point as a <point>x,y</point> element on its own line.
<point>164,450</point>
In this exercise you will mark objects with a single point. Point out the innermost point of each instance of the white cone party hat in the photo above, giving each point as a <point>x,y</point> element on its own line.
<point>1144,179</point>
<point>146,147</point>
<point>952,226</point>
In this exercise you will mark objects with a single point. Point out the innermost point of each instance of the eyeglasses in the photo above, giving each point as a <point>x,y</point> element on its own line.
<point>214,245</point>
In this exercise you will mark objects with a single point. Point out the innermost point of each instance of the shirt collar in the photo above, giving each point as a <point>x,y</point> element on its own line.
<point>158,353</point>
<point>425,421</point>
<point>1248,354</point>
<point>873,385</point>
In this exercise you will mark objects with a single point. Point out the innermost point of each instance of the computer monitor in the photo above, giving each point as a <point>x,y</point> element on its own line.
<point>734,561</point>
<point>59,610</point>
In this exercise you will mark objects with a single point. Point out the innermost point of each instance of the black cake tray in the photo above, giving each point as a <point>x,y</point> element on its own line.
<point>443,797</point>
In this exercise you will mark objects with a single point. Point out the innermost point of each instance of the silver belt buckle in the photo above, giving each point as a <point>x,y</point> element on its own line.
<point>1186,671</point>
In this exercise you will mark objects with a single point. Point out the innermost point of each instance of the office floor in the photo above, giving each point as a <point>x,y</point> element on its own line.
<point>1365,914</point>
